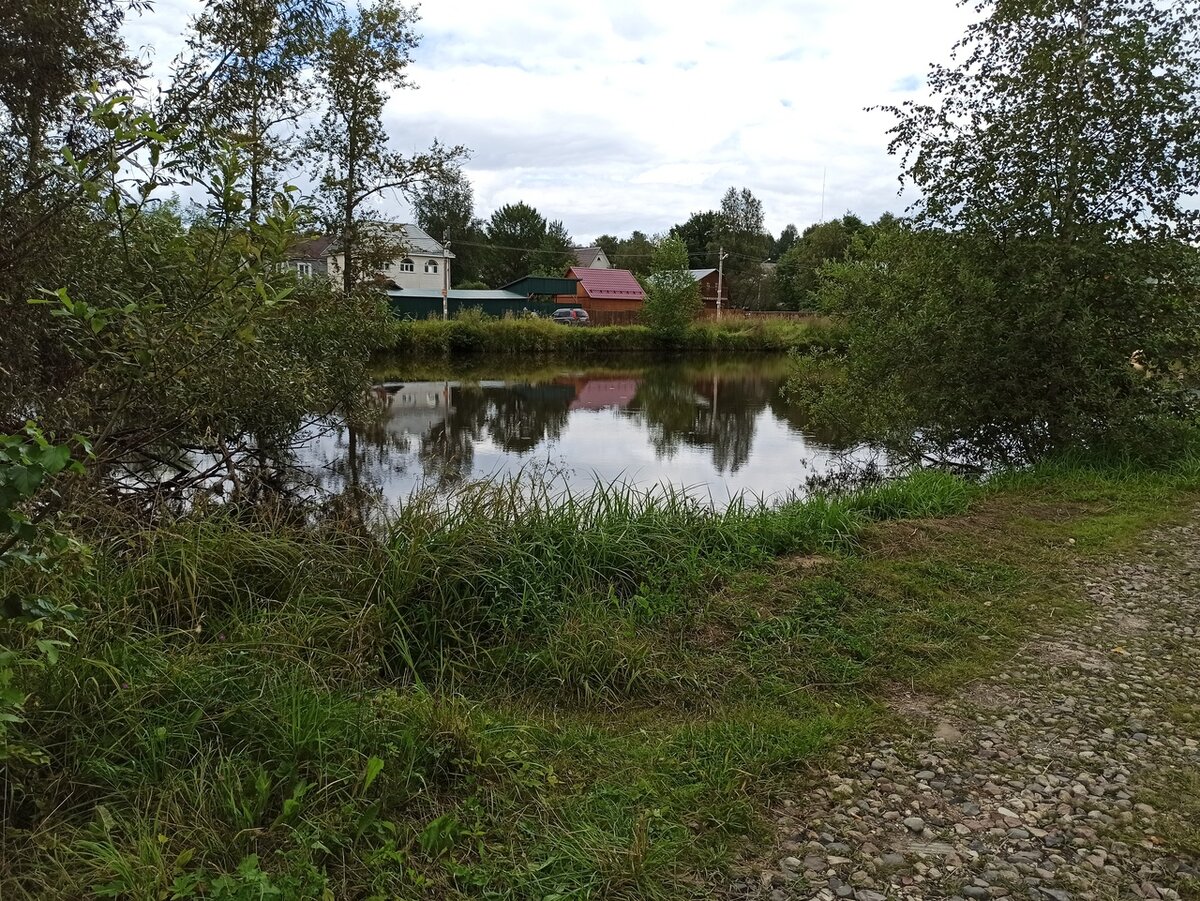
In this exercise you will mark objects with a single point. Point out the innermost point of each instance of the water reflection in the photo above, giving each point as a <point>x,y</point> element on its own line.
<point>715,429</point>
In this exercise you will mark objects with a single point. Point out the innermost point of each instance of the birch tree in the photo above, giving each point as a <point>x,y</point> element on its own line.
<point>364,56</point>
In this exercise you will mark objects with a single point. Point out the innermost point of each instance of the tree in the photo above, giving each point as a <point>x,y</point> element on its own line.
<point>634,253</point>
<point>797,275</point>
<point>49,51</point>
<point>672,295</point>
<point>176,336</point>
<point>698,233</point>
<point>263,51</point>
<point>554,255</point>
<point>741,234</point>
<point>1054,234</point>
<point>741,213</point>
<point>446,207</point>
<point>366,52</point>
<point>524,243</point>
<point>787,238</point>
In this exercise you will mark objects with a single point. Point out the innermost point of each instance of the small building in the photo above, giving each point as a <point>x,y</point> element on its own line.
<point>610,290</point>
<point>418,267</point>
<point>707,280</point>
<point>309,258</point>
<point>532,294</point>
<point>591,257</point>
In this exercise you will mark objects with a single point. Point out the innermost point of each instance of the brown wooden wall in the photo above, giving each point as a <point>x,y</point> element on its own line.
<point>708,291</point>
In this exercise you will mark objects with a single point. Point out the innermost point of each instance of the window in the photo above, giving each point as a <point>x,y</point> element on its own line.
<point>304,270</point>
<point>407,265</point>
<point>431,265</point>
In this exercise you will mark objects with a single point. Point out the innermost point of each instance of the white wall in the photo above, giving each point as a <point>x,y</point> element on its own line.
<point>417,279</point>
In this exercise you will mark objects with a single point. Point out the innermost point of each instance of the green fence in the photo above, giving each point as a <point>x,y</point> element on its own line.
<point>424,308</point>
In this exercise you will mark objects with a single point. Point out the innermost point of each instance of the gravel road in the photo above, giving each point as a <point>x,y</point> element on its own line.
<point>1032,783</point>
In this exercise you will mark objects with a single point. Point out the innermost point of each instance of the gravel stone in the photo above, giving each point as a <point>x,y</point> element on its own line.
<point>1028,784</point>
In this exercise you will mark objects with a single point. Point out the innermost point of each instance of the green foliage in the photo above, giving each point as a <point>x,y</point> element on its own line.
<point>946,341</point>
<point>786,240</point>
<point>170,338</point>
<point>797,276</point>
<point>635,253</point>
<point>52,50</point>
<point>260,53</point>
<point>1047,299</point>
<point>29,463</point>
<point>740,231</point>
<point>699,233</point>
<point>524,243</point>
<point>433,339</point>
<point>366,51</point>
<point>672,295</point>
<point>447,207</point>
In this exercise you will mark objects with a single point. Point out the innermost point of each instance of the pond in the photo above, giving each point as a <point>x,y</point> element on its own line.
<point>715,429</point>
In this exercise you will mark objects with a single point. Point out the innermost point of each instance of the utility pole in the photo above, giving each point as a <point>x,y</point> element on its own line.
<point>721,254</point>
<point>445,274</point>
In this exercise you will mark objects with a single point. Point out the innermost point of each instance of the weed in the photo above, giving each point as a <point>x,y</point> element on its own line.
<point>514,694</point>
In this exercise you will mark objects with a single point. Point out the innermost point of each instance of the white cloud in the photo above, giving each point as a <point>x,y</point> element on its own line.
<point>629,115</point>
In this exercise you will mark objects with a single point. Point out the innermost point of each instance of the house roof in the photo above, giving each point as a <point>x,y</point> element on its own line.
<point>538,284</point>
<point>310,249</point>
<point>698,274</point>
<point>418,241</point>
<point>585,256</point>
<point>603,394</point>
<point>614,284</point>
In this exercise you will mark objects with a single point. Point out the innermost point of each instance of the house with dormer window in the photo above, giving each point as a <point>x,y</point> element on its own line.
<point>418,267</point>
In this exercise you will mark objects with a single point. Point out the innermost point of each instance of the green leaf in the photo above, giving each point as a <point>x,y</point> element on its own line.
<point>374,768</point>
<point>55,458</point>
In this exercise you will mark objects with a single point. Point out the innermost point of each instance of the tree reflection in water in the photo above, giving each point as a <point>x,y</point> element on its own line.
<point>433,432</point>
<point>706,410</point>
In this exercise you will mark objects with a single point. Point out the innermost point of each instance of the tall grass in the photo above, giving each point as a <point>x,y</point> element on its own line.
<point>475,335</point>
<point>256,703</point>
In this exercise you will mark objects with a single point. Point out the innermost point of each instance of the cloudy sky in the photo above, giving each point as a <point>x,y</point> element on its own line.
<point>623,115</point>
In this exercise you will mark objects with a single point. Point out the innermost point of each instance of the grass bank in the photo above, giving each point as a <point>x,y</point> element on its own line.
<point>469,335</point>
<point>521,697</point>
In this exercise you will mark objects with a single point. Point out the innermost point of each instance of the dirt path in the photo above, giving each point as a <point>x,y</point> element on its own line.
<point>1033,783</point>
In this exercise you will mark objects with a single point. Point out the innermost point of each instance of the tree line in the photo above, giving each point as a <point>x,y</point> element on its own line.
<point>517,240</point>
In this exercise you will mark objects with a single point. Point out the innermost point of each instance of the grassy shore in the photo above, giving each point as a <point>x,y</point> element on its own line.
<point>467,335</point>
<point>520,696</point>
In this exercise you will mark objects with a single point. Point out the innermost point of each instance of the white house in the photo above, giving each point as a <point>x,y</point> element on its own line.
<point>591,257</point>
<point>420,268</point>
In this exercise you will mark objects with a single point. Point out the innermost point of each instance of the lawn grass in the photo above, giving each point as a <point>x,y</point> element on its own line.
<point>581,697</point>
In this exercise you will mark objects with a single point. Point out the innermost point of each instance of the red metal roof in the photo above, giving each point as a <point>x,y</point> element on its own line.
<point>615,284</point>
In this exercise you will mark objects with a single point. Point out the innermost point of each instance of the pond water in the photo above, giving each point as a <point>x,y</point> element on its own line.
<point>714,429</point>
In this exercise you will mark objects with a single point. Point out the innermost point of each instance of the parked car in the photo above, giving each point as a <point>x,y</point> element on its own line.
<point>571,316</point>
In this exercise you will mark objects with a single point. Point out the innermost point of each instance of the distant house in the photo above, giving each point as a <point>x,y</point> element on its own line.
<point>310,257</point>
<point>604,289</point>
<point>591,257</point>
<point>418,267</point>
<point>707,280</point>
